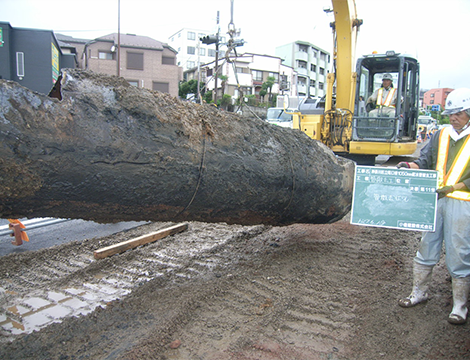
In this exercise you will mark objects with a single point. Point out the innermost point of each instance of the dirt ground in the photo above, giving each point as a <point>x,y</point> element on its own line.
<point>258,292</point>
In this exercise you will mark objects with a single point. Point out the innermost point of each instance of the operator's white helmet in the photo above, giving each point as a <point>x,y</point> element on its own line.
<point>458,100</point>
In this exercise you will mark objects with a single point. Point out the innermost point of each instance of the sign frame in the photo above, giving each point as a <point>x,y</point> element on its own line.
<point>388,197</point>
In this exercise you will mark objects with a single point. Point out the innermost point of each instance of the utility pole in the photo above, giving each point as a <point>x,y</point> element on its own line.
<point>199,97</point>
<point>119,40</point>
<point>216,59</point>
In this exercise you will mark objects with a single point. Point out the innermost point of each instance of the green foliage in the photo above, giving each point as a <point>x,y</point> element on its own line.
<point>226,100</point>
<point>189,87</point>
<point>251,100</point>
<point>208,97</point>
<point>268,84</point>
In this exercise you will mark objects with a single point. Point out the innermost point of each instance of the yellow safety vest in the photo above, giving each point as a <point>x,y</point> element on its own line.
<point>388,100</point>
<point>457,168</point>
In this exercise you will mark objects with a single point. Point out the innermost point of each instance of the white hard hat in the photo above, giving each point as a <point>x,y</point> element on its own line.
<point>458,100</point>
<point>387,77</point>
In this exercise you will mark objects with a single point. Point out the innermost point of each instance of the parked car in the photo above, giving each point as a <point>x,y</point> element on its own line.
<point>278,116</point>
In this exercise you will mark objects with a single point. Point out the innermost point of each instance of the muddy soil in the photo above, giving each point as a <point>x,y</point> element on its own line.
<point>294,292</point>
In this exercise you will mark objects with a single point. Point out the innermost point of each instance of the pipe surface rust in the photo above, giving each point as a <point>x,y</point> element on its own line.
<point>110,152</point>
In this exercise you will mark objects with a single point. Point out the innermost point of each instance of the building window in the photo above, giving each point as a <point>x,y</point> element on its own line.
<point>209,72</point>
<point>275,76</point>
<point>190,64</point>
<point>313,67</point>
<point>320,86</point>
<point>322,71</point>
<point>211,52</point>
<point>191,50</point>
<point>202,52</point>
<point>20,64</point>
<point>301,64</point>
<point>135,61</point>
<point>312,83</point>
<point>431,102</point>
<point>191,35</point>
<point>322,56</point>
<point>161,86</point>
<point>239,70</point>
<point>168,60</point>
<point>303,48</point>
<point>133,82</point>
<point>432,95</point>
<point>105,55</point>
<point>257,75</point>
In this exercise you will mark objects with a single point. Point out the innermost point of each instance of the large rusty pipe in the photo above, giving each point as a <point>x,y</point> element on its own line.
<point>111,152</point>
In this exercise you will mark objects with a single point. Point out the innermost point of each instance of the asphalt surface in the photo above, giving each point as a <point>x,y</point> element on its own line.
<point>60,233</point>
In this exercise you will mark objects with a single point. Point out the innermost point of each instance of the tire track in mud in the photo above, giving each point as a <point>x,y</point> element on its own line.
<point>291,293</point>
<point>44,287</point>
<point>299,297</point>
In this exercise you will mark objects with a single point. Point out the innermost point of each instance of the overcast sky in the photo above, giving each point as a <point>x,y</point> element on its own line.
<point>434,31</point>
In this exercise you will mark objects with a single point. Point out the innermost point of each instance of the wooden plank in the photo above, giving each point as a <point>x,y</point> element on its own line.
<point>141,240</point>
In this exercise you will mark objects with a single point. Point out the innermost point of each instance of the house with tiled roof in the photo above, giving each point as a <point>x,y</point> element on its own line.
<point>144,62</point>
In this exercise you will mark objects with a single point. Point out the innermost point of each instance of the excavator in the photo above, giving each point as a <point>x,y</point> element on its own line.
<point>343,122</point>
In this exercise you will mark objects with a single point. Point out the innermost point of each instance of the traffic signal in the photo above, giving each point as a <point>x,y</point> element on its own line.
<point>209,39</point>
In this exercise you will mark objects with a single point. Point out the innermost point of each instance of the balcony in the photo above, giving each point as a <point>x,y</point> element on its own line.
<point>302,88</point>
<point>301,55</point>
<point>302,71</point>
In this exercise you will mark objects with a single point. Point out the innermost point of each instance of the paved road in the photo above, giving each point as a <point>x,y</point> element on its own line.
<point>60,233</point>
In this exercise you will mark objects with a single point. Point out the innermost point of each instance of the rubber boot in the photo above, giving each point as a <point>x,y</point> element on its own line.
<point>460,289</point>
<point>421,278</point>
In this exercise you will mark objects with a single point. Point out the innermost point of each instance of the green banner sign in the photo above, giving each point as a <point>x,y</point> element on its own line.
<point>395,198</point>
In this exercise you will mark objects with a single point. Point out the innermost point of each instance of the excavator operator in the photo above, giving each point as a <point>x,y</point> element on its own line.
<point>384,99</point>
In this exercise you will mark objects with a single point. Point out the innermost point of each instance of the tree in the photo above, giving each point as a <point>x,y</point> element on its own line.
<point>224,79</point>
<point>189,87</point>
<point>208,97</point>
<point>267,87</point>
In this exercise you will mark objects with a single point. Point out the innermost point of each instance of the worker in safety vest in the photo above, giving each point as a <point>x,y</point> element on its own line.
<point>384,99</point>
<point>448,152</point>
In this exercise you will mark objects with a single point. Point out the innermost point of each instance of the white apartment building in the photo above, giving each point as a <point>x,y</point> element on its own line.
<point>310,62</point>
<point>187,42</point>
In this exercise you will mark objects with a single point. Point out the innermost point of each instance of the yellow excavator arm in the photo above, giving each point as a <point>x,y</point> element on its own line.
<point>345,28</point>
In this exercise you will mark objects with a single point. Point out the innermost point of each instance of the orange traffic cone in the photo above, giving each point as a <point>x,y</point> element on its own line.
<point>19,235</point>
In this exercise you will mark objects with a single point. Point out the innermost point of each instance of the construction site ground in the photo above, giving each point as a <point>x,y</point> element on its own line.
<point>218,291</point>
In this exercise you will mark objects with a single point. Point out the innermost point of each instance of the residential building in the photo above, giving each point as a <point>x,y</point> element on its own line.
<point>246,74</point>
<point>72,45</point>
<point>32,57</point>
<point>143,61</point>
<point>434,97</point>
<point>187,42</point>
<point>310,62</point>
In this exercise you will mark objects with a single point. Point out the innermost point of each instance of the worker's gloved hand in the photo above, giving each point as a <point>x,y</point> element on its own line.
<point>370,106</point>
<point>444,191</point>
<point>403,164</point>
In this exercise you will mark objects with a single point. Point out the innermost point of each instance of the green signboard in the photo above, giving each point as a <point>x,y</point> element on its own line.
<point>1,37</point>
<point>395,198</point>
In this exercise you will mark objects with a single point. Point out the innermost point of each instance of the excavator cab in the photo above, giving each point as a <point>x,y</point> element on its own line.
<point>389,130</point>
